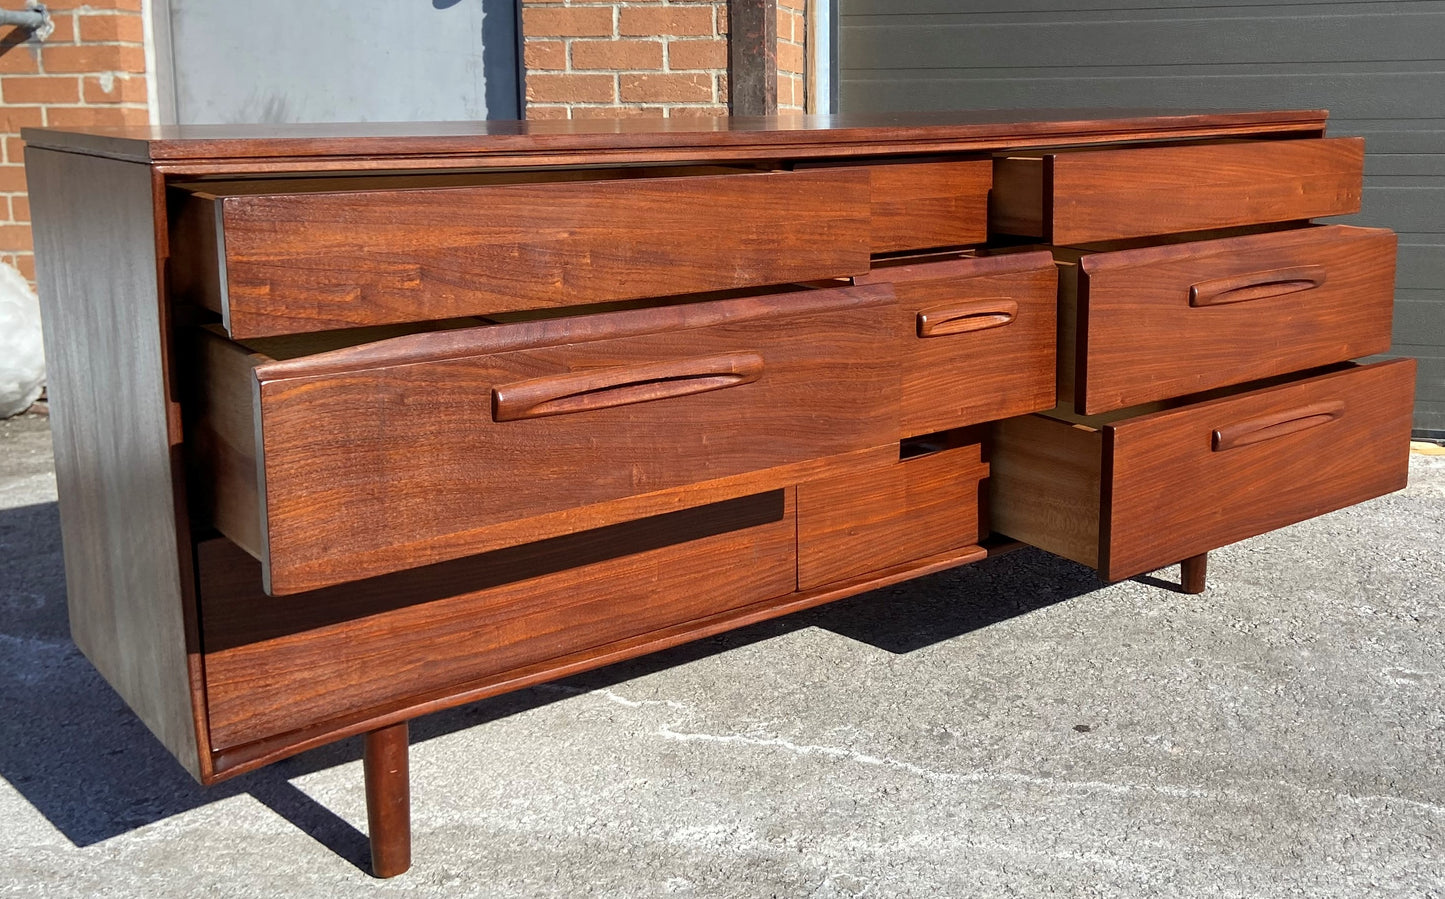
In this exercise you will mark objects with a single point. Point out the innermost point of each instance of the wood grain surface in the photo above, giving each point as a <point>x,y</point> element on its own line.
<point>920,206</point>
<point>250,756</point>
<point>1098,195</point>
<point>312,261</point>
<point>1045,486</point>
<point>278,664</point>
<point>116,469</point>
<point>623,460</point>
<point>387,770</point>
<point>388,456</point>
<point>1149,491</point>
<point>1273,303</point>
<point>916,507</point>
<point>956,377</point>
<point>1171,495</point>
<point>373,145</point>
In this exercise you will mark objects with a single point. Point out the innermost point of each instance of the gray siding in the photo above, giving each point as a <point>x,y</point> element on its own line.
<point>1379,67</point>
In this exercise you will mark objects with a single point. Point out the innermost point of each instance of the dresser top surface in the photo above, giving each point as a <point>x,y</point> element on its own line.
<point>660,139</point>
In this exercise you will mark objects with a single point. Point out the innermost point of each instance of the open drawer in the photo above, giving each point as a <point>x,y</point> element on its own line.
<point>1154,322</point>
<point>282,256</point>
<point>346,463</point>
<point>1133,494</point>
<point>1084,196</point>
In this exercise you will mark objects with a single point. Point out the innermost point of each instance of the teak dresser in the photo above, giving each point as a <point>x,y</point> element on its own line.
<point>356,423</point>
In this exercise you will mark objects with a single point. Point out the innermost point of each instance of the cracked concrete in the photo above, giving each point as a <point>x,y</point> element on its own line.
<point>1007,729</point>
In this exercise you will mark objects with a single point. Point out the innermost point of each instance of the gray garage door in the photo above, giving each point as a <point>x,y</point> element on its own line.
<point>335,60</point>
<point>1379,67</point>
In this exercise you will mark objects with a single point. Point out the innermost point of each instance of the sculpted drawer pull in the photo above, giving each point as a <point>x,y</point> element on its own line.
<point>1281,424</point>
<point>1256,285</point>
<point>978,315</point>
<point>604,388</point>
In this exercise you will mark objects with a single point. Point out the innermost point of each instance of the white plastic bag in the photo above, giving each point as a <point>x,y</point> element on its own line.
<point>22,356</point>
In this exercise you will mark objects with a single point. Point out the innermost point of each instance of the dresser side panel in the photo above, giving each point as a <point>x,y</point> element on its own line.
<point>96,254</point>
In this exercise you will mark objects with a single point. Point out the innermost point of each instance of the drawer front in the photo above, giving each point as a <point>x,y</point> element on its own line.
<point>850,526</point>
<point>1188,480</point>
<point>981,337</point>
<point>923,205</point>
<point>433,446</point>
<point>274,665</point>
<point>298,262</point>
<point>1099,195</point>
<point>1166,321</point>
<point>919,206</point>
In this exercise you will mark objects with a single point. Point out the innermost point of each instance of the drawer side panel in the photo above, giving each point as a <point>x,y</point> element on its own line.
<point>1044,486</point>
<point>923,205</point>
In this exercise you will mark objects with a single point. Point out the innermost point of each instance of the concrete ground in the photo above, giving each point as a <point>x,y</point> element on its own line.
<point>1006,729</point>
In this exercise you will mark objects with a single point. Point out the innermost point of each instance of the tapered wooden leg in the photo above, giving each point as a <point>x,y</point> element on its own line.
<point>388,800</point>
<point>1191,573</point>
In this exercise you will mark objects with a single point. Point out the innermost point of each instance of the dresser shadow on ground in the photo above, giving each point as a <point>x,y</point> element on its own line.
<point>72,749</point>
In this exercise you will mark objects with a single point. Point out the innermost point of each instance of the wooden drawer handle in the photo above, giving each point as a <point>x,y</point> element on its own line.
<point>1256,285</point>
<point>978,315</point>
<point>623,385</point>
<point>1281,424</point>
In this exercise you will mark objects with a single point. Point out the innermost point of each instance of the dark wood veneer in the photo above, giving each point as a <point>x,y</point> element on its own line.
<point>371,145</point>
<point>481,405</point>
<point>111,421</point>
<point>979,337</point>
<point>394,454</point>
<point>1174,495</point>
<point>1165,321</point>
<point>1141,492</point>
<point>1097,195</point>
<point>275,665</point>
<point>324,260</point>
<point>851,525</point>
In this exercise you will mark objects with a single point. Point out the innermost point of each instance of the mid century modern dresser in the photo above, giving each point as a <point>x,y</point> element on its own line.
<point>357,423</point>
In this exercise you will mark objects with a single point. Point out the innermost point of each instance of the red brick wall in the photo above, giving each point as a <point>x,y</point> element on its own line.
<point>792,56</point>
<point>643,57</point>
<point>90,71</point>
